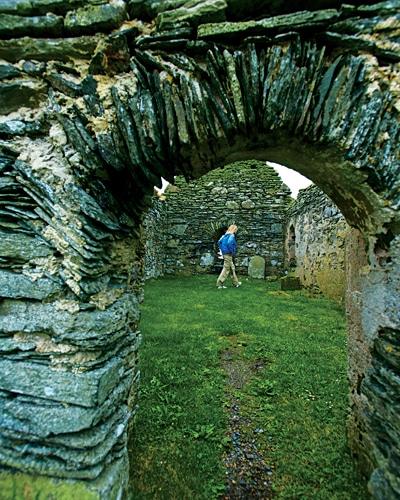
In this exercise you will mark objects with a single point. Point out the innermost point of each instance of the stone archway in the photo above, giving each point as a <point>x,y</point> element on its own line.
<point>77,169</point>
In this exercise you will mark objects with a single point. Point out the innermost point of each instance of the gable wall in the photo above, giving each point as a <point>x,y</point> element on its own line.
<point>248,194</point>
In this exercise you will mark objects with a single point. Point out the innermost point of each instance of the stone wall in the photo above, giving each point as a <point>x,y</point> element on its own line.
<point>315,243</point>
<point>304,238</point>
<point>360,358</point>
<point>70,287</point>
<point>251,195</point>
<point>154,225</point>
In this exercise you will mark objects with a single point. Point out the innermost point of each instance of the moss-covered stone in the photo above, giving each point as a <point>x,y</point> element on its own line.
<point>110,485</point>
<point>16,7</point>
<point>15,26</point>
<point>47,49</point>
<point>93,18</point>
<point>28,487</point>
<point>299,20</point>
<point>194,13</point>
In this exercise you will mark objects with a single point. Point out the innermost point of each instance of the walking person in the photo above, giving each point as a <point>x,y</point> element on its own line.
<point>227,245</point>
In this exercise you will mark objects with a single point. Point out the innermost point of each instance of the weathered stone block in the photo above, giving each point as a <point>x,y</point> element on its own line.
<point>16,94</point>
<point>95,18</point>
<point>17,26</point>
<point>207,259</point>
<point>248,204</point>
<point>16,7</point>
<point>86,328</point>
<point>290,283</point>
<point>257,267</point>
<point>21,247</point>
<point>195,13</point>
<point>17,285</point>
<point>298,20</point>
<point>48,49</point>
<point>60,421</point>
<point>86,389</point>
<point>10,128</point>
<point>8,71</point>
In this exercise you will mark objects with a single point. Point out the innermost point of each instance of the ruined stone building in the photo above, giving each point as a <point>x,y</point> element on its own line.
<point>99,100</point>
<point>303,237</point>
<point>249,194</point>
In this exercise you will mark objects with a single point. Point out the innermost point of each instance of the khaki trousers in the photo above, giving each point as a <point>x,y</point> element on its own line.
<point>228,266</point>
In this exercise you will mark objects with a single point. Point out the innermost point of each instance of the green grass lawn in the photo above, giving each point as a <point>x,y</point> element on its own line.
<point>299,399</point>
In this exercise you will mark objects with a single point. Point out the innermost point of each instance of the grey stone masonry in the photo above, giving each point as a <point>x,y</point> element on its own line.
<point>249,194</point>
<point>315,243</point>
<point>154,225</point>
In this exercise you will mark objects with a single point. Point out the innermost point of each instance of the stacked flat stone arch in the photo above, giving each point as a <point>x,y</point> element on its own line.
<point>101,102</point>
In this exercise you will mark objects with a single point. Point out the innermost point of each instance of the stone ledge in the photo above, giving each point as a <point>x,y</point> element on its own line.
<point>47,49</point>
<point>16,26</point>
<point>277,24</point>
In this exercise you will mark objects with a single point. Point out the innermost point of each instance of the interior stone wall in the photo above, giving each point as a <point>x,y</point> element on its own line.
<point>99,100</point>
<point>249,194</point>
<point>359,355</point>
<point>315,243</point>
<point>154,225</point>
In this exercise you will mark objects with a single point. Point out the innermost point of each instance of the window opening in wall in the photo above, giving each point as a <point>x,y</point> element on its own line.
<point>164,186</point>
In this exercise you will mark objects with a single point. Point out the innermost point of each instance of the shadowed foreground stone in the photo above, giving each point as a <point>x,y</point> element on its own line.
<point>290,283</point>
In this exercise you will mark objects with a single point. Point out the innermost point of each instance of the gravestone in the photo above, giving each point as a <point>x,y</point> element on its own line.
<point>207,259</point>
<point>290,283</point>
<point>257,267</point>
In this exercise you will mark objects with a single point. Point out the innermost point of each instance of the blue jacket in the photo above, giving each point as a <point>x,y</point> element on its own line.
<point>227,244</point>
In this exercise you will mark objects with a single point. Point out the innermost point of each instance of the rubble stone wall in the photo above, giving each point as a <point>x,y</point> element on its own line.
<point>315,243</point>
<point>154,225</point>
<point>248,194</point>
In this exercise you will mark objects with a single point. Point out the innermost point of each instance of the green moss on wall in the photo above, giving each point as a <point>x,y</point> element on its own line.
<point>28,487</point>
<point>238,171</point>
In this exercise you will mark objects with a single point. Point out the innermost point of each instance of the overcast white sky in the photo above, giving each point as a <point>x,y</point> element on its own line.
<point>291,178</point>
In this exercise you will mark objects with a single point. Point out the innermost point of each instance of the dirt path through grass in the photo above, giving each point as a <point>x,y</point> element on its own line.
<point>249,365</point>
<point>246,472</point>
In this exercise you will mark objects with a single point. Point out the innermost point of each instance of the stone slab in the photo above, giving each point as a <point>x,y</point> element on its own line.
<point>87,389</point>
<point>85,328</point>
<point>256,267</point>
<point>59,421</point>
<point>18,286</point>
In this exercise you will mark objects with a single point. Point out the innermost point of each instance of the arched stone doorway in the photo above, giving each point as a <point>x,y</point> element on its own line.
<point>78,167</point>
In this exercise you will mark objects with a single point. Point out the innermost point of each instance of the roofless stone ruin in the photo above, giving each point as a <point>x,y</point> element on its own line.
<point>301,240</point>
<point>99,100</point>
